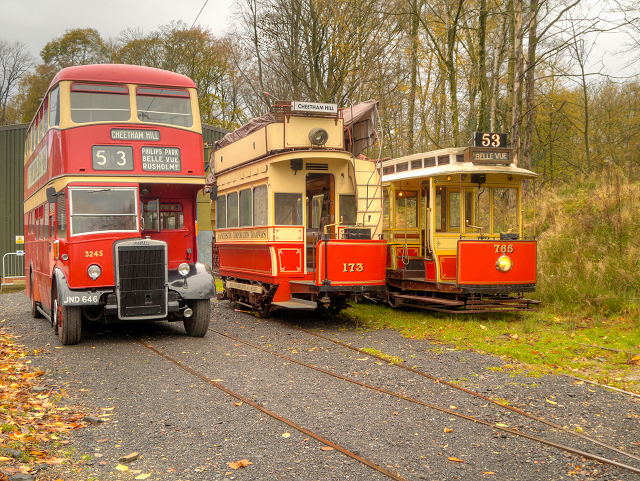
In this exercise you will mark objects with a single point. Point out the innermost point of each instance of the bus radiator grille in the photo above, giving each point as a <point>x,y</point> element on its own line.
<point>141,275</point>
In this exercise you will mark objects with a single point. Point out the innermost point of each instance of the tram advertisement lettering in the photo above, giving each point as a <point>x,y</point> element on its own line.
<point>242,234</point>
<point>503,248</point>
<point>161,158</point>
<point>134,134</point>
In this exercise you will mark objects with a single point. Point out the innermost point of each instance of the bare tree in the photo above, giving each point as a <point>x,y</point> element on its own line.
<point>15,62</point>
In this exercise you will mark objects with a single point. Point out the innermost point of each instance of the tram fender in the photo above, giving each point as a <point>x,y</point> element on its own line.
<point>76,297</point>
<point>198,284</point>
<point>283,294</point>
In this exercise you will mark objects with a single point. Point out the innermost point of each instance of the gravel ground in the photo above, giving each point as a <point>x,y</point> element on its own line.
<point>186,429</point>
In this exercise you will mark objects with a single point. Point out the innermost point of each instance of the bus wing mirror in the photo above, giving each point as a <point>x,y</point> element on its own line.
<point>52,195</point>
<point>213,194</point>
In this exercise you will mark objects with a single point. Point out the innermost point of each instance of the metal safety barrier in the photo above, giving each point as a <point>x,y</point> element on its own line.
<point>12,268</point>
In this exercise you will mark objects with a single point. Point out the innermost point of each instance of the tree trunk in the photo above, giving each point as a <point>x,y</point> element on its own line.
<point>517,81</point>
<point>530,84</point>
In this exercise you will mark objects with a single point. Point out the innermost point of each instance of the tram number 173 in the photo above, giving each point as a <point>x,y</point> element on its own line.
<point>352,266</point>
<point>504,248</point>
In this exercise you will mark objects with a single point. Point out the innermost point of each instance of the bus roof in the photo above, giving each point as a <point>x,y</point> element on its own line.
<point>121,73</point>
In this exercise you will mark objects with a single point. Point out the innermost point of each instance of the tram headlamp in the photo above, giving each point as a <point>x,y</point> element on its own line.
<point>94,271</point>
<point>184,269</point>
<point>318,136</point>
<point>504,264</point>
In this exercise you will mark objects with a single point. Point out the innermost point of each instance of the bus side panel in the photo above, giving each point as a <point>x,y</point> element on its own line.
<point>352,262</point>
<point>477,262</point>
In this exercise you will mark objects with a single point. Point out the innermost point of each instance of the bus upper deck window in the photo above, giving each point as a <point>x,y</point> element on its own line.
<point>54,111</point>
<point>99,103</point>
<point>164,106</point>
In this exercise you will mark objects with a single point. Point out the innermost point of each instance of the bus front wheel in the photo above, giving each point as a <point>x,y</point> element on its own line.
<point>69,323</point>
<point>198,324</point>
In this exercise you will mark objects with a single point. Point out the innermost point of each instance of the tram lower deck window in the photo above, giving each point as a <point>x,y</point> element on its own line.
<point>287,209</point>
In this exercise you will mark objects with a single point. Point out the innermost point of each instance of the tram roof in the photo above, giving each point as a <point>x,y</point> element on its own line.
<point>121,73</point>
<point>453,166</point>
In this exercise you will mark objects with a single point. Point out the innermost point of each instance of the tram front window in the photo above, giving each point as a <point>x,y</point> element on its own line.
<point>477,210</point>
<point>287,209</point>
<point>505,210</point>
<point>103,210</point>
<point>406,209</point>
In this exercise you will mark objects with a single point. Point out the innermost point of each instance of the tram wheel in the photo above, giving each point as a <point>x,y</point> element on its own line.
<point>34,305</point>
<point>265,312</point>
<point>198,324</point>
<point>69,322</point>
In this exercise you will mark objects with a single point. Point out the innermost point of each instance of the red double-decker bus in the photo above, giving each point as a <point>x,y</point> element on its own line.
<point>113,165</point>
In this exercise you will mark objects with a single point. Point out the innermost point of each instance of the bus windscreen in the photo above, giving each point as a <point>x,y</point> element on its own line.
<point>103,210</point>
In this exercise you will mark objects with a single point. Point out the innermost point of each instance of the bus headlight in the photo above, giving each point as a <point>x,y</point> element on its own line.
<point>94,271</point>
<point>184,269</point>
<point>504,264</point>
<point>318,136</point>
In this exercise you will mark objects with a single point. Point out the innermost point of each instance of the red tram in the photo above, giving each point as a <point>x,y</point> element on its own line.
<point>113,164</point>
<point>453,222</point>
<point>296,212</point>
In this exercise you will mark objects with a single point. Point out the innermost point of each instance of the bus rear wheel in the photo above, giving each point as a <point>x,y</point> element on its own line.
<point>69,323</point>
<point>198,324</point>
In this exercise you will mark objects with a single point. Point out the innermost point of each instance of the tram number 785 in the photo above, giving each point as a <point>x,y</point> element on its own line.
<point>504,248</point>
<point>352,266</point>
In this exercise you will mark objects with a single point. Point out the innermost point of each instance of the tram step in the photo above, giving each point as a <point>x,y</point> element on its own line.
<point>502,301</point>
<point>432,300</point>
<point>296,304</point>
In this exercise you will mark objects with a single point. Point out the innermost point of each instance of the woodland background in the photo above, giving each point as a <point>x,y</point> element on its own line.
<point>440,70</point>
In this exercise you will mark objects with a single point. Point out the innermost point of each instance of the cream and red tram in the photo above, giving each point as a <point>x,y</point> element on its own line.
<point>453,222</point>
<point>296,212</point>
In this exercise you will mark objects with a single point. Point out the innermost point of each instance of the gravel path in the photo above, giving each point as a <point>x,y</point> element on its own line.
<point>186,429</point>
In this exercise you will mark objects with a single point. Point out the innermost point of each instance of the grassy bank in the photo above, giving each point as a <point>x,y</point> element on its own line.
<point>606,350</point>
<point>588,280</point>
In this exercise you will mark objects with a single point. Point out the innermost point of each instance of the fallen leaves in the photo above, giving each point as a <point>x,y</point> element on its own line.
<point>240,464</point>
<point>285,435</point>
<point>455,460</point>
<point>29,416</point>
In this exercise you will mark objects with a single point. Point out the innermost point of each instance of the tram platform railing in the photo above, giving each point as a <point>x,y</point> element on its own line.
<point>13,269</point>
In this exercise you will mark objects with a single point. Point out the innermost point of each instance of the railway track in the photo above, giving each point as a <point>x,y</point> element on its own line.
<point>449,412</point>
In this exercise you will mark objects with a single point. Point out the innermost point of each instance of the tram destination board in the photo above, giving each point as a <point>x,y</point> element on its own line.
<point>489,139</point>
<point>488,155</point>
<point>161,159</point>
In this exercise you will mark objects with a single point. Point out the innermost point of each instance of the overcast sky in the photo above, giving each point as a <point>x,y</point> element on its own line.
<point>37,22</point>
